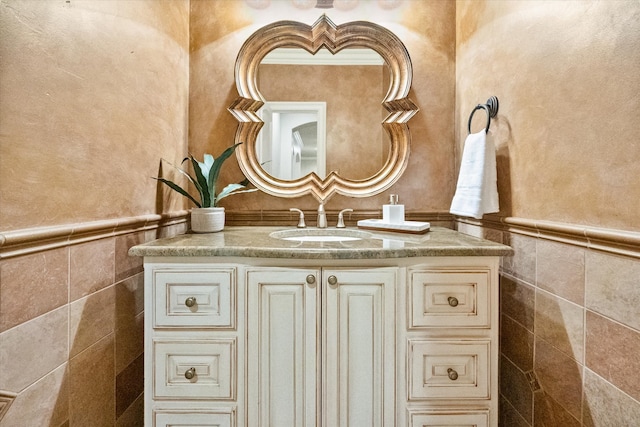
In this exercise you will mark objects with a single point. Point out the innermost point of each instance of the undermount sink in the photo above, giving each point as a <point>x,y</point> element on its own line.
<point>320,235</point>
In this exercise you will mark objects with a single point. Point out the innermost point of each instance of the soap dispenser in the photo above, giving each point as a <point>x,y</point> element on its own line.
<point>393,213</point>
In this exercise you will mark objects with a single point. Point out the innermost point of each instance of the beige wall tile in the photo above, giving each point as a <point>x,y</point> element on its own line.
<point>522,264</point>
<point>33,349</point>
<point>547,413</point>
<point>129,385</point>
<point>611,352</point>
<point>613,287</point>
<point>92,385</point>
<point>32,285</point>
<point>516,343</point>
<point>517,300</point>
<point>129,342</point>
<point>515,388</point>
<point>509,416</point>
<point>127,266</point>
<point>134,415</point>
<point>561,324</point>
<point>44,403</point>
<point>90,319</point>
<point>605,405</point>
<point>129,300</point>
<point>559,376</point>
<point>129,320</point>
<point>560,270</point>
<point>91,267</point>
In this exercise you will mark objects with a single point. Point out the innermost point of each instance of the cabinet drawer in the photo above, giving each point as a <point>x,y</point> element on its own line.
<point>197,369</point>
<point>194,298</point>
<point>455,417</point>
<point>193,417</point>
<point>440,298</point>
<point>448,369</point>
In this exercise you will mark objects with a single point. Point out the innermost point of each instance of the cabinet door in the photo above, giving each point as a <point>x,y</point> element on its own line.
<point>359,347</point>
<point>283,365</point>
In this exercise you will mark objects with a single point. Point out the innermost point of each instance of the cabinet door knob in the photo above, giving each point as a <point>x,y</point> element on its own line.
<point>190,302</point>
<point>453,301</point>
<point>453,375</point>
<point>190,373</point>
<point>333,280</point>
<point>311,279</point>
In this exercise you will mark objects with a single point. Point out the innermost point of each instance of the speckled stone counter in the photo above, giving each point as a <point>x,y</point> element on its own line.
<point>256,242</point>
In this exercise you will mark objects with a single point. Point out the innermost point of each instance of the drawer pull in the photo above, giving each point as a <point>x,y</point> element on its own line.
<point>333,280</point>
<point>311,279</point>
<point>190,373</point>
<point>453,375</point>
<point>190,302</point>
<point>453,301</point>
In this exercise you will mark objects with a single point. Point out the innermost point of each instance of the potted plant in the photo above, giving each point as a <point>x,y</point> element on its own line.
<point>207,216</point>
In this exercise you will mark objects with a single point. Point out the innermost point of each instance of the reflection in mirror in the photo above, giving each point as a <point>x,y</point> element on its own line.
<point>353,83</point>
<point>292,142</point>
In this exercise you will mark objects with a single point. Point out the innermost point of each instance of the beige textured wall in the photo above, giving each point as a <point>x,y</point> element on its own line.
<point>566,74</point>
<point>218,29</point>
<point>93,94</point>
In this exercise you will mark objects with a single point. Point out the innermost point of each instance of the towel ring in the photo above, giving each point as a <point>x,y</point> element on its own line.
<point>491,107</point>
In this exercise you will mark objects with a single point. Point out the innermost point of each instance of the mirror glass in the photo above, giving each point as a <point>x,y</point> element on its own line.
<point>351,85</point>
<point>291,143</point>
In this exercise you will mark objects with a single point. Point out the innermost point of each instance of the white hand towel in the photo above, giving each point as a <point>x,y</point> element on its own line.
<point>477,189</point>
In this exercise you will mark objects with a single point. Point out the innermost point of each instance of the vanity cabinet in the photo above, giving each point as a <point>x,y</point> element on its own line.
<point>331,335</point>
<point>242,342</point>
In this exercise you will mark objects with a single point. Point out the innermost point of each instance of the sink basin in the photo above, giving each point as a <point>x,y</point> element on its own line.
<point>320,235</point>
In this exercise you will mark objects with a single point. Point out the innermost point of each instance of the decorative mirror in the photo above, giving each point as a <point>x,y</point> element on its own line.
<point>302,136</point>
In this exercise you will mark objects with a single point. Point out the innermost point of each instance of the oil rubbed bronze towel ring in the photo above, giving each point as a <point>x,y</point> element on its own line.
<point>491,107</point>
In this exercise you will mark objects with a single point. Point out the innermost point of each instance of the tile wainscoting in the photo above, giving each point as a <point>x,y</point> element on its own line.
<point>71,322</point>
<point>570,330</point>
<point>71,319</point>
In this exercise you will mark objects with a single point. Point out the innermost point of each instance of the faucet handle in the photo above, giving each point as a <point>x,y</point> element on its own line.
<point>301,223</point>
<point>341,218</point>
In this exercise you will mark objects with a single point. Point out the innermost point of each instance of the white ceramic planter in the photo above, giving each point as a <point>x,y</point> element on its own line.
<point>207,220</point>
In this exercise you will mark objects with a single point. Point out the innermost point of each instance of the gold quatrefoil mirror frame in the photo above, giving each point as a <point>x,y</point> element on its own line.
<point>323,34</point>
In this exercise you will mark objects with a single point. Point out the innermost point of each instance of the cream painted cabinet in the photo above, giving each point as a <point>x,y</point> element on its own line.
<point>252,342</point>
<point>452,343</point>
<point>192,345</point>
<point>321,347</point>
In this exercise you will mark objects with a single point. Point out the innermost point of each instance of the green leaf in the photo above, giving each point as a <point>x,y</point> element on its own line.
<point>202,185</point>
<point>179,189</point>
<point>205,167</point>
<point>233,189</point>
<point>215,170</point>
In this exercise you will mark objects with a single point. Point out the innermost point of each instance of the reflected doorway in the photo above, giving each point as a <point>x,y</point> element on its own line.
<point>292,142</point>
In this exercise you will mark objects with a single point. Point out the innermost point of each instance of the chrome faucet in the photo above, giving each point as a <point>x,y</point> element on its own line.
<point>341,218</point>
<point>301,223</point>
<point>322,217</point>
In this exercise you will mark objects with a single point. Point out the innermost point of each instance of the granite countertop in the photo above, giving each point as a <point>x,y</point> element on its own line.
<point>256,242</point>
